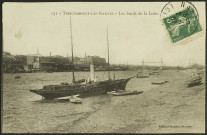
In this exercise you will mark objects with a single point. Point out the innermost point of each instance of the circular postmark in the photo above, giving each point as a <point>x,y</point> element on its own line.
<point>181,20</point>
<point>175,7</point>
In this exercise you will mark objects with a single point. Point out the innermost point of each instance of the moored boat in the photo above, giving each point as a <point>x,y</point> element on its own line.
<point>84,90</point>
<point>111,92</point>
<point>160,82</point>
<point>74,99</point>
<point>123,93</point>
<point>151,73</point>
<point>193,82</point>
<point>142,76</point>
<point>17,77</point>
<point>82,87</point>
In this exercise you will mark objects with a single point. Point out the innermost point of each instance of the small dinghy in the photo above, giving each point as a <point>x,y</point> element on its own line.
<point>111,92</point>
<point>64,98</point>
<point>123,93</point>
<point>142,76</point>
<point>17,77</point>
<point>151,73</point>
<point>158,83</point>
<point>74,99</point>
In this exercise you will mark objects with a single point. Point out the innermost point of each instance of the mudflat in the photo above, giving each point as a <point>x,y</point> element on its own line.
<point>168,108</point>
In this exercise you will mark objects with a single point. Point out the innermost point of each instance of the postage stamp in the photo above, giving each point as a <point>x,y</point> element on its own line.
<point>182,24</point>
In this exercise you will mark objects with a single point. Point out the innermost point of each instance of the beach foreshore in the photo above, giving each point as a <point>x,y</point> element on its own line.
<point>168,108</point>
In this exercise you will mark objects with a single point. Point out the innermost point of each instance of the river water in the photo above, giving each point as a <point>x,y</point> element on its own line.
<point>26,112</point>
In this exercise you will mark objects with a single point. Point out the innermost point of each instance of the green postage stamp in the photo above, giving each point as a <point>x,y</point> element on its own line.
<point>182,25</point>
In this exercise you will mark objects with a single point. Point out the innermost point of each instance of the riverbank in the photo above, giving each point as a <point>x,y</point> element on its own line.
<point>169,108</point>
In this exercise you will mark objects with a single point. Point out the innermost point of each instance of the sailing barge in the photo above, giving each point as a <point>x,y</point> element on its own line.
<point>82,88</point>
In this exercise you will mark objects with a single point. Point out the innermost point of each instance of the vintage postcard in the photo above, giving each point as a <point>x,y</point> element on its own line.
<point>103,67</point>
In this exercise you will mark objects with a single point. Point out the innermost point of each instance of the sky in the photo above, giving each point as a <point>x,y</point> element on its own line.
<point>28,27</point>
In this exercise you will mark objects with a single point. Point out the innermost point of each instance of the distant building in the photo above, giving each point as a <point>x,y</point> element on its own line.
<point>47,66</point>
<point>58,56</point>
<point>87,60</point>
<point>47,63</point>
<point>22,59</point>
<point>45,59</point>
<point>79,61</point>
<point>32,62</point>
<point>13,63</point>
<point>96,60</point>
<point>8,59</point>
<point>36,62</point>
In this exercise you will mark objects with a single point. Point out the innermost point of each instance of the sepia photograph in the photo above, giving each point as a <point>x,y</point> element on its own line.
<point>103,67</point>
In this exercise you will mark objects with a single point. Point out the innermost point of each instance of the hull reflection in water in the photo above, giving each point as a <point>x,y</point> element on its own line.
<point>88,89</point>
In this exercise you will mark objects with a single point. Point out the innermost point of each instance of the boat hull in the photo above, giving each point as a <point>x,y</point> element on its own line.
<point>127,93</point>
<point>83,91</point>
<point>194,82</point>
<point>142,76</point>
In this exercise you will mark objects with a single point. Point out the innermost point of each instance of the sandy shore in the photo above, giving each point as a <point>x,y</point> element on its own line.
<point>168,108</point>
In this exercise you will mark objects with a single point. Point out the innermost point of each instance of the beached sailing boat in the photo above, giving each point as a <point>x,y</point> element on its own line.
<point>140,74</point>
<point>78,87</point>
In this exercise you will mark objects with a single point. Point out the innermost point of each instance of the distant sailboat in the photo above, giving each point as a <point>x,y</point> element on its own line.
<point>140,74</point>
<point>78,87</point>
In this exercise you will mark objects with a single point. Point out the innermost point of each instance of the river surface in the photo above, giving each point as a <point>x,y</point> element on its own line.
<point>26,112</point>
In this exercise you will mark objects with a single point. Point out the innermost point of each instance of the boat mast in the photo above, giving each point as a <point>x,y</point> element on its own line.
<point>161,64</point>
<point>72,50</point>
<point>108,54</point>
<point>142,65</point>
